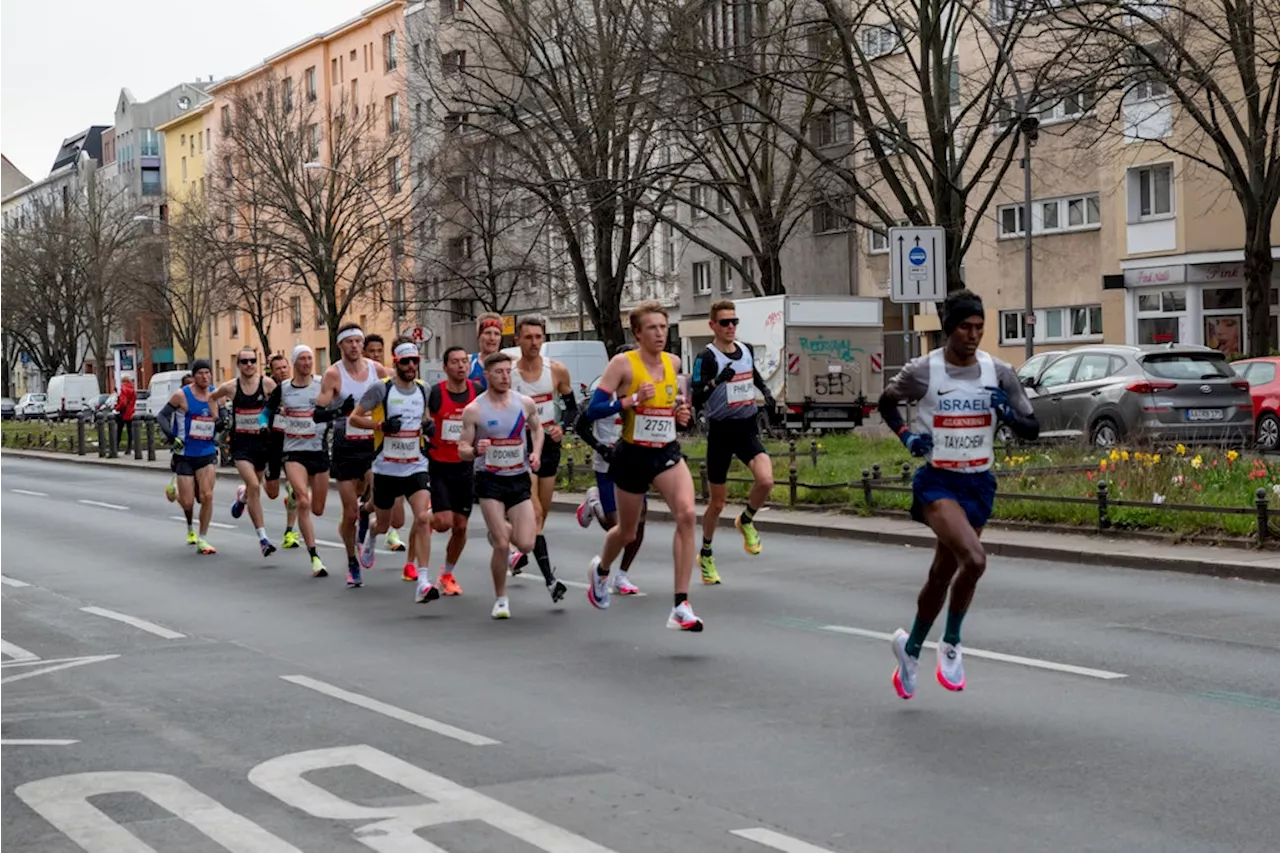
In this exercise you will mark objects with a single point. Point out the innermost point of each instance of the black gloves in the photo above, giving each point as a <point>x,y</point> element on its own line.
<point>391,425</point>
<point>726,375</point>
<point>348,405</point>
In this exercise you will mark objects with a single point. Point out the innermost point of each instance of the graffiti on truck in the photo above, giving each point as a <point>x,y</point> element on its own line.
<point>837,348</point>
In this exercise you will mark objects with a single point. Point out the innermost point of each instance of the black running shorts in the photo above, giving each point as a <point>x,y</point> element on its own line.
<point>512,489</point>
<point>726,439</point>
<point>315,461</point>
<point>635,468</point>
<point>452,487</point>
<point>387,488</point>
<point>187,466</point>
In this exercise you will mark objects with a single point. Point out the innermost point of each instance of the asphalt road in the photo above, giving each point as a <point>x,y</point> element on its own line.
<point>256,709</point>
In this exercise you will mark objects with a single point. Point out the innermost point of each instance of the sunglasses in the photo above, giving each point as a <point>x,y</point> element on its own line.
<point>248,361</point>
<point>413,359</point>
<point>727,322</point>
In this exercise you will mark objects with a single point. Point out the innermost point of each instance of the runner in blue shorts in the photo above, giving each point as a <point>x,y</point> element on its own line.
<point>601,504</point>
<point>962,394</point>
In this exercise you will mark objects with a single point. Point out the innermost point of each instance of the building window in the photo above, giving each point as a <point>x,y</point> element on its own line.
<point>182,141</point>
<point>1223,310</point>
<point>193,144</point>
<point>1073,324</point>
<point>448,8</point>
<point>393,113</point>
<point>669,247</point>
<point>320,314</point>
<point>697,203</point>
<point>355,97</point>
<point>397,238</point>
<point>723,202</point>
<point>834,127</point>
<point>1149,86</point>
<point>878,41</point>
<point>877,241</point>
<point>310,77</point>
<point>953,77</point>
<point>389,51</point>
<point>455,122</point>
<point>1151,191</point>
<point>1067,106</point>
<point>458,249</point>
<point>295,307</point>
<point>395,175</point>
<point>208,139</point>
<point>829,217</point>
<point>226,119</point>
<point>1160,315</point>
<point>151,182</point>
<point>235,323</point>
<point>702,277</point>
<point>454,62</point>
<point>322,359</point>
<point>150,143</point>
<point>889,140</point>
<point>313,141</point>
<point>184,170</point>
<point>748,271</point>
<point>228,175</point>
<point>1051,216</point>
<point>286,94</point>
<point>726,276</point>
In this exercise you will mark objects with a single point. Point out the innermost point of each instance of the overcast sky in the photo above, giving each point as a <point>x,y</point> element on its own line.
<point>63,62</point>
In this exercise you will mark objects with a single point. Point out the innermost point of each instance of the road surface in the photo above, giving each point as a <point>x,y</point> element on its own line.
<point>154,699</point>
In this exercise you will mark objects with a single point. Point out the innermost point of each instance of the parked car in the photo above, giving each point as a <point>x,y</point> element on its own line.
<point>1033,366</point>
<point>30,406</point>
<point>68,393</point>
<point>101,408</point>
<point>1165,393</point>
<point>142,409</point>
<point>1264,390</point>
<point>8,408</point>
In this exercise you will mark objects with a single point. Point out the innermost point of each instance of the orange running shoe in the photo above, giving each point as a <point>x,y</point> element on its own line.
<point>410,572</point>
<point>449,585</point>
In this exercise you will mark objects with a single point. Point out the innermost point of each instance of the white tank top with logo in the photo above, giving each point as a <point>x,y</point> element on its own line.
<point>958,414</point>
<point>354,388</point>
<point>542,391</point>
<point>735,399</point>
<point>296,418</point>
<point>402,454</point>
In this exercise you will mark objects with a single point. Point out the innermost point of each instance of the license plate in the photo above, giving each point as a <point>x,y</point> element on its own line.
<point>1204,414</point>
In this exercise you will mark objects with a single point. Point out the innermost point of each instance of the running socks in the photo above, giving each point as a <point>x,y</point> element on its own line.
<point>544,559</point>
<point>706,547</point>
<point>312,551</point>
<point>261,531</point>
<point>748,514</point>
<point>951,632</point>
<point>919,633</point>
<point>681,598</point>
<point>448,568</point>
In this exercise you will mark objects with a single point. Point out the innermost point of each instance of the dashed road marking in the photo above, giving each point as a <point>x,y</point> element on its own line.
<point>16,652</point>
<point>8,581</point>
<point>576,584</point>
<point>102,504</point>
<point>220,524</point>
<point>1036,663</point>
<point>391,711</point>
<point>777,840</point>
<point>140,624</point>
<point>29,492</point>
<point>37,742</point>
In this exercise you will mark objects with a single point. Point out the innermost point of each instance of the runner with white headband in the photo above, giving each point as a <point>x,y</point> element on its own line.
<point>344,384</point>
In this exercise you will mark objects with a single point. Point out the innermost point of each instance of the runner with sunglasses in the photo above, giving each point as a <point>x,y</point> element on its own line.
<point>374,350</point>
<point>280,373</point>
<point>725,380</point>
<point>250,434</point>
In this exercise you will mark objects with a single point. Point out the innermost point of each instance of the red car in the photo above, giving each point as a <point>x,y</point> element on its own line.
<point>1263,375</point>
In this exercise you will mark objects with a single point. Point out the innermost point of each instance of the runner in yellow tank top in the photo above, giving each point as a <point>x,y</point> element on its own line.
<point>652,404</point>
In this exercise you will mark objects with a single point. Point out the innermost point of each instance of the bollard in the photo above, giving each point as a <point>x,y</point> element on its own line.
<point>866,486</point>
<point>151,441</point>
<point>1264,522</point>
<point>792,485</point>
<point>813,451</point>
<point>791,452</point>
<point>80,438</point>
<point>1103,520</point>
<point>102,439</point>
<point>906,472</point>
<point>113,436</point>
<point>570,471</point>
<point>875,472</point>
<point>135,440</point>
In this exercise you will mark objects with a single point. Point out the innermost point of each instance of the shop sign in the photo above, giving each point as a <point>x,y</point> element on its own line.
<point>1152,276</point>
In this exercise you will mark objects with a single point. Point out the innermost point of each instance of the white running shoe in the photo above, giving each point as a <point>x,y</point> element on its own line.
<point>622,584</point>
<point>513,562</point>
<point>682,618</point>
<point>904,677</point>
<point>425,592</point>
<point>597,586</point>
<point>586,511</point>
<point>366,553</point>
<point>950,667</point>
<point>501,609</point>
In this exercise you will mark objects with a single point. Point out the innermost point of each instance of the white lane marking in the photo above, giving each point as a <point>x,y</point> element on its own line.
<point>50,666</point>
<point>996,656</point>
<point>578,584</point>
<point>141,624</point>
<point>777,840</point>
<point>220,524</point>
<point>29,492</point>
<point>328,544</point>
<point>36,742</point>
<point>16,652</point>
<point>391,711</point>
<point>8,581</point>
<point>102,504</point>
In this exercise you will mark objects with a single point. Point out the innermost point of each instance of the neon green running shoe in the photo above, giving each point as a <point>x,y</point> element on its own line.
<point>317,568</point>
<point>291,540</point>
<point>750,538</point>
<point>192,538</point>
<point>393,540</point>
<point>708,566</point>
<point>171,490</point>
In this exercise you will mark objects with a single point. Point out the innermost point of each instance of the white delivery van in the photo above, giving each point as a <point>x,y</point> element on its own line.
<point>585,360</point>
<point>68,393</point>
<point>161,389</point>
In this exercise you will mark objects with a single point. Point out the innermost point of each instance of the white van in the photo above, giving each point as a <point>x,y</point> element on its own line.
<point>162,387</point>
<point>586,360</point>
<point>68,393</point>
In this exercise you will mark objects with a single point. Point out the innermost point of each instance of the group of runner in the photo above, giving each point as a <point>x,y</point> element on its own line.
<point>491,433</point>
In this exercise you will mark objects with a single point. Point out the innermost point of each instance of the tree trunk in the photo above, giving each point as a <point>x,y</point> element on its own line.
<point>1258,265</point>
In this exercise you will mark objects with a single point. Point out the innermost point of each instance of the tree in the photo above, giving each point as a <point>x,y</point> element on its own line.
<point>324,223</point>
<point>569,92</point>
<point>183,285</point>
<point>1213,66</point>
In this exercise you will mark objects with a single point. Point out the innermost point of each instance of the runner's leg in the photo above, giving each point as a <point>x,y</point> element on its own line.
<point>633,547</point>
<point>349,491</point>
<point>420,533</point>
<point>495,518</point>
<point>319,492</point>
<point>762,484</point>
<point>545,488</point>
<point>676,487</point>
<point>204,490</point>
<point>252,491</point>
<point>300,483</point>
<point>187,500</point>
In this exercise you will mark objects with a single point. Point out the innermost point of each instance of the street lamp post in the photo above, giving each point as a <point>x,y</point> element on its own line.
<point>396,295</point>
<point>141,217</point>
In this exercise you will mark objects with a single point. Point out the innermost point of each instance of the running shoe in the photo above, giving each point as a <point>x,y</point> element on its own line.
<point>366,553</point>
<point>267,548</point>
<point>557,589</point>
<point>904,676</point>
<point>192,538</point>
<point>586,513</point>
<point>317,568</point>
<point>409,573</point>
<point>171,490</point>
<point>597,586</point>
<point>682,618</point>
<point>501,609</point>
<point>393,540</point>
<point>426,592</point>
<point>290,499</point>
<point>291,540</point>
<point>622,584</point>
<point>204,547</point>
<point>353,577</point>
<point>750,538</point>
<point>708,566</point>
<point>237,506</point>
<point>449,584</point>
<point>950,667</point>
<point>517,562</point>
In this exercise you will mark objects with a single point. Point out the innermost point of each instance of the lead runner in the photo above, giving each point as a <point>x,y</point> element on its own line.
<point>963,394</point>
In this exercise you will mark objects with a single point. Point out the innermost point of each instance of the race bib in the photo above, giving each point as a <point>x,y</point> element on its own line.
<point>654,427</point>
<point>740,390</point>
<point>504,454</point>
<point>358,434</point>
<point>249,421</point>
<point>546,404</point>
<point>451,430</point>
<point>403,447</point>
<point>298,423</point>
<point>963,434</point>
<point>201,428</point>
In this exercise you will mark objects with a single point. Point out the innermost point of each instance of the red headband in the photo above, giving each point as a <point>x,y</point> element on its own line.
<point>497,324</point>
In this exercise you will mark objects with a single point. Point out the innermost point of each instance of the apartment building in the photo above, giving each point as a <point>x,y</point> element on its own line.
<point>136,140</point>
<point>357,65</point>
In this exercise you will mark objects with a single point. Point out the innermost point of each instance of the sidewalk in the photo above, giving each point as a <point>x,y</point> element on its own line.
<point>1131,552</point>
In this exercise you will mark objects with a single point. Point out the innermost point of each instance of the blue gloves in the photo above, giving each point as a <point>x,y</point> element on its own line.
<point>918,444</point>
<point>1001,405</point>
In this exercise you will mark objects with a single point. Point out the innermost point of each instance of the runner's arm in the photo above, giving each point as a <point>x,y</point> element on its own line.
<point>703,379</point>
<point>908,385</point>
<point>1015,409</point>
<point>361,416</point>
<point>226,389</point>
<point>177,403</point>
<point>616,375</point>
<point>585,428</point>
<point>467,441</point>
<point>535,425</point>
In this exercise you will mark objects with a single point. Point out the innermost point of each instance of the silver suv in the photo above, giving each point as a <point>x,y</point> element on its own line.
<point>1164,393</point>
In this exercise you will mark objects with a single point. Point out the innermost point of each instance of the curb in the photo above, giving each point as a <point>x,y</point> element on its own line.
<point>1094,556</point>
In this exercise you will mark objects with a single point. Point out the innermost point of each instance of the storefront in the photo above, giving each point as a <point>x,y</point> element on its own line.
<point>1193,304</point>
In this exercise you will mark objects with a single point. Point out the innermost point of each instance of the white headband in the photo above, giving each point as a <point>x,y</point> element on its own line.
<point>300,349</point>
<point>349,333</point>
<point>406,351</point>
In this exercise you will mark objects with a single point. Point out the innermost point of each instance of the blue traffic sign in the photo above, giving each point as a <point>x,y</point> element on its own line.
<point>918,256</point>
